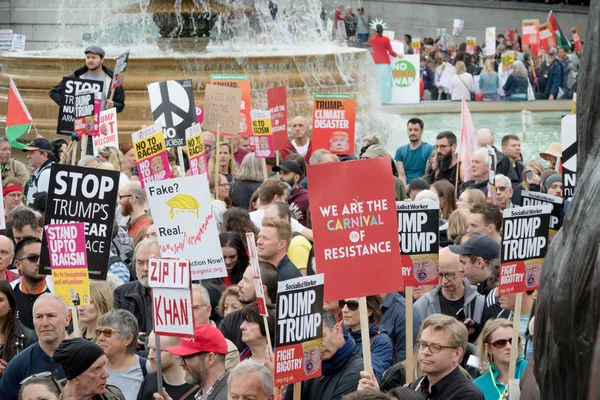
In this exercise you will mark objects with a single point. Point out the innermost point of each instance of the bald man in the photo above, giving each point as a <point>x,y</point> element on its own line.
<point>7,252</point>
<point>453,296</point>
<point>503,164</point>
<point>132,199</point>
<point>300,143</point>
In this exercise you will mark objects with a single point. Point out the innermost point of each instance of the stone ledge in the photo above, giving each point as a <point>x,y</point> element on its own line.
<point>435,107</point>
<point>502,5</point>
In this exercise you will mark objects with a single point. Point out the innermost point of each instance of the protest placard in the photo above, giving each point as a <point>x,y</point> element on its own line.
<point>109,134</point>
<point>87,113</point>
<point>171,284</point>
<point>263,134</point>
<point>151,154</point>
<point>418,235</point>
<point>448,71</point>
<point>416,45</point>
<point>6,40</point>
<point>576,40</point>
<point>506,67</point>
<point>18,43</point>
<point>277,103</point>
<point>71,88</point>
<point>531,36</point>
<point>299,331</point>
<point>524,246</point>
<point>2,220</point>
<point>222,109</point>
<point>537,199</point>
<point>258,286</point>
<point>66,248</point>
<point>185,224</point>
<point>242,82</point>
<point>334,118</point>
<point>490,41</point>
<point>568,125</point>
<point>119,71</point>
<point>397,46</point>
<point>87,195</point>
<point>173,108</point>
<point>457,27</point>
<point>196,150</point>
<point>547,37</point>
<point>355,227</point>
<point>406,78</point>
<point>471,44</point>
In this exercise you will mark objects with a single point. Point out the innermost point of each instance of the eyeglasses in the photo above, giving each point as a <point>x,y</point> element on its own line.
<point>185,358</point>
<point>447,275</point>
<point>501,188</point>
<point>32,258</point>
<point>43,375</point>
<point>126,195</point>
<point>351,304</point>
<point>106,332</point>
<point>434,348</point>
<point>501,343</point>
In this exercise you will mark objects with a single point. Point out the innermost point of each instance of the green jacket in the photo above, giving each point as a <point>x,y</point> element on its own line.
<point>112,393</point>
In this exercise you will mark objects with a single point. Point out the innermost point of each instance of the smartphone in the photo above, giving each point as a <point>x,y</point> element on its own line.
<point>460,315</point>
<point>529,174</point>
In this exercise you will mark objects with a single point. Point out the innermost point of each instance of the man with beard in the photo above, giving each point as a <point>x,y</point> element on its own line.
<point>411,159</point>
<point>480,171</point>
<point>447,163</point>
<point>504,165</point>
<point>132,199</point>
<point>136,296</point>
<point>32,284</point>
<point>203,359</point>
<point>290,172</point>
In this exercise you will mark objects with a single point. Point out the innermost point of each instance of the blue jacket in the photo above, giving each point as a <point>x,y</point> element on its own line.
<point>516,85</point>
<point>555,78</point>
<point>393,320</point>
<point>428,78</point>
<point>488,384</point>
<point>382,350</point>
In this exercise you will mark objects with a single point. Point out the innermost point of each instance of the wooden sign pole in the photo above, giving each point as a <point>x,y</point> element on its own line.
<point>408,365</point>
<point>159,377</point>
<point>216,154</point>
<point>364,334</point>
<point>515,336</point>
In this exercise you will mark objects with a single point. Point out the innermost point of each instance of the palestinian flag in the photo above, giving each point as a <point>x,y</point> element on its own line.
<point>561,39</point>
<point>18,119</point>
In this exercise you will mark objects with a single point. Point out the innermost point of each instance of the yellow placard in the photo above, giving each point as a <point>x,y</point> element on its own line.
<point>261,127</point>
<point>195,145</point>
<point>149,146</point>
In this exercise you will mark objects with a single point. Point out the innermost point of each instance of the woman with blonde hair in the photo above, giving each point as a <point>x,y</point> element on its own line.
<point>469,198</point>
<point>229,301</point>
<point>461,84</point>
<point>115,157</point>
<point>489,82</point>
<point>458,222</point>
<point>532,180</point>
<point>101,302</point>
<point>494,347</point>
<point>515,88</point>
<point>227,165</point>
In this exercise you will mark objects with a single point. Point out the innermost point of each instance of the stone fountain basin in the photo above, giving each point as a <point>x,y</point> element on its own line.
<point>332,70</point>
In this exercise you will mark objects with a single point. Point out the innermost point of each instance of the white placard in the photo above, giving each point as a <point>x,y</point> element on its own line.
<point>6,40</point>
<point>405,79</point>
<point>108,135</point>
<point>18,43</point>
<point>171,273</point>
<point>172,312</point>
<point>490,41</point>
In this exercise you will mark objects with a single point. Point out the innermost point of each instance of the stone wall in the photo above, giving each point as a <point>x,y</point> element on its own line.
<point>421,18</point>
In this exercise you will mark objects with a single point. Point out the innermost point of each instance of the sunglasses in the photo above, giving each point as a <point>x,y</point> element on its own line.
<point>106,332</point>
<point>185,358</point>
<point>32,258</point>
<point>43,375</point>
<point>351,304</point>
<point>500,344</point>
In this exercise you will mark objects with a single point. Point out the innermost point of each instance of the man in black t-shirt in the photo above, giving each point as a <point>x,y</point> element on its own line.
<point>447,166</point>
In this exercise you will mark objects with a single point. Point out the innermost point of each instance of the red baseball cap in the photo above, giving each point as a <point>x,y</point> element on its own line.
<point>207,340</point>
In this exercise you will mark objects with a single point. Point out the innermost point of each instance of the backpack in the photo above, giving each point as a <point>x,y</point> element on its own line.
<point>142,362</point>
<point>309,267</point>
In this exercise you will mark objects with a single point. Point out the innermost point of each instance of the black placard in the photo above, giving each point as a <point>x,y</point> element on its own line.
<point>72,87</point>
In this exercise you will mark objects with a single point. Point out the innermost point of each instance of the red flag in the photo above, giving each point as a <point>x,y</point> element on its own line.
<point>468,142</point>
<point>18,119</point>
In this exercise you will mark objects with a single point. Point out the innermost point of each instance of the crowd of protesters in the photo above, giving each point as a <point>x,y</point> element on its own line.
<point>115,357</point>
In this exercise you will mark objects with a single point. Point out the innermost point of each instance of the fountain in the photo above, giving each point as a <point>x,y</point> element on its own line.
<point>292,49</point>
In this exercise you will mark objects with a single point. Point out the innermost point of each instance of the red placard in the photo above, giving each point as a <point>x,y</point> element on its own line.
<point>277,103</point>
<point>334,117</point>
<point>576,40</point>
<point>547,37</point>
<point>354,220</point>
<point>531,35</point>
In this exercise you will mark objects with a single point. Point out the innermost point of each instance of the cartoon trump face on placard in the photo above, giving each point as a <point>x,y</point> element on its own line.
<point>338,142</point>
<point>312,356</point>
<point>533,272</point>
<point>156,165</point>
<point>243,125</point>
<point>263,143</point>
<point>424,267</point>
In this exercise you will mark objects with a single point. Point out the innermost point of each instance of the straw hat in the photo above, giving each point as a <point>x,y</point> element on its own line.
<point>554,150</point>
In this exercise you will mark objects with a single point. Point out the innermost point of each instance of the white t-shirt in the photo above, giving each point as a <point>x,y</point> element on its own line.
<point>302,150</point>
<point>258,215</point>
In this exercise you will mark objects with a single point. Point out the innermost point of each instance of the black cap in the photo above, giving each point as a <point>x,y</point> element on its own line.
<point>480,246</point>
<point>38,202</point>
<point>288,166</point>
<point>76,356</point>
<point>95,49</point>
<point>39,144</point>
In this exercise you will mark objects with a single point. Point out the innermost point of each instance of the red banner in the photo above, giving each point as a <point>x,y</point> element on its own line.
<point>576,40</point>
<point>355,227</point>
<point>547,37</point>
<point>277,103</point>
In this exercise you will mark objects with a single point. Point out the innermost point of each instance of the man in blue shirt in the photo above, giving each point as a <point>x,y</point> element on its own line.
<point>50,321</point>
<point>411,159</point>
